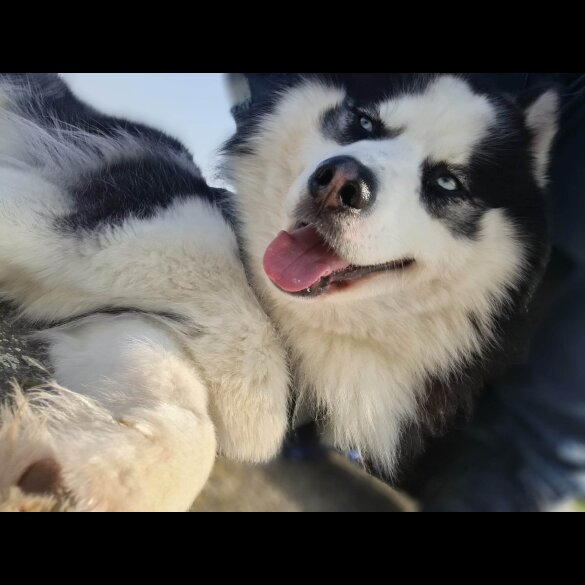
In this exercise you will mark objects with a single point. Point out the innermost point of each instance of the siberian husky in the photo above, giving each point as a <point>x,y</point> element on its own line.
<point>378,257</point>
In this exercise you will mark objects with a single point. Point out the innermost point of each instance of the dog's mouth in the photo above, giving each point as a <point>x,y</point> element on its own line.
<point>301,263</point>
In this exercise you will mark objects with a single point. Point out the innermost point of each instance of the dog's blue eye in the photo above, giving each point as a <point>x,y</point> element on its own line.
<point>448,182</point>
<point>366,124</point>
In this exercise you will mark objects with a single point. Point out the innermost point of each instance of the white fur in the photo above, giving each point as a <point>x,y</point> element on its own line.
<point>183,261</point>
<point>160,452</point>
<point>361,356</point>
<point>542,119</point>
<point>152,394</point>
<point>136,434</point>
<point>150,456</point>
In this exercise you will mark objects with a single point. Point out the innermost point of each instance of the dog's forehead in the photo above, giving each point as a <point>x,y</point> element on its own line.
<point>447,118</point>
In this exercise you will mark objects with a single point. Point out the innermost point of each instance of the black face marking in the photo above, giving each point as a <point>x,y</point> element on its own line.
<point>156,173</point>
<point>264,88</point>
<point>134,188</point>
<point>347,123</point>
<point>364,89</point>
<point>446,197</point>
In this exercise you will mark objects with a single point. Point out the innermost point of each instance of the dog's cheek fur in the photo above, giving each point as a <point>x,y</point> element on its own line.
<point>372,373</point>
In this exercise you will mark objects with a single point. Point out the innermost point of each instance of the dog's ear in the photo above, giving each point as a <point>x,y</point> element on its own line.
<point>238,88</point>
<point>542,111</point>
<point>250,89</point>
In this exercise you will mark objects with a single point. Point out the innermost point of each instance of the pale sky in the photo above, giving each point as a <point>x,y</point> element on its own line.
<point>192,107</point>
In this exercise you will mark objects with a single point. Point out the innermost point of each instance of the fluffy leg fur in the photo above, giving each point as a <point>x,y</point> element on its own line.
<point>138,413</point>
<point>199,277</point>
<point>136,437</point>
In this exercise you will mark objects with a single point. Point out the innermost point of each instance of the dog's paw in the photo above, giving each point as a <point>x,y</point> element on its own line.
<point>62,452</point>
<point>250,410</point>
<point>39,489</point>
<point>254,434</point>
<point>31,478</point>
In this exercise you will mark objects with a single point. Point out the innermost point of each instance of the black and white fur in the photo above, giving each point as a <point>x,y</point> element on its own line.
<point>112,242</point>
<point>385,363</point>
<point>115,247</point>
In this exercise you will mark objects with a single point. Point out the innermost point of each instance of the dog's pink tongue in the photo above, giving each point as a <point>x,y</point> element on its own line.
<point>298,260</point>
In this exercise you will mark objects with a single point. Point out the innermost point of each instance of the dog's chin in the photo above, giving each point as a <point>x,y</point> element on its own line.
<point>302,264</point>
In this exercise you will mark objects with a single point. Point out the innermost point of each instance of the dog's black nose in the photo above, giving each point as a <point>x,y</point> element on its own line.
<point>342,182</point>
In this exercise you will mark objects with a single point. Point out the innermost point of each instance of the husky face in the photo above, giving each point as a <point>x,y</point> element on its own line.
<point>405,194</point>
<point>367,200</point>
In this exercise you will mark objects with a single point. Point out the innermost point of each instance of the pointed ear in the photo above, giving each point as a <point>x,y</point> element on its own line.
<point>541,112</point>
<point>238,89</point>
<point>247,90</point>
